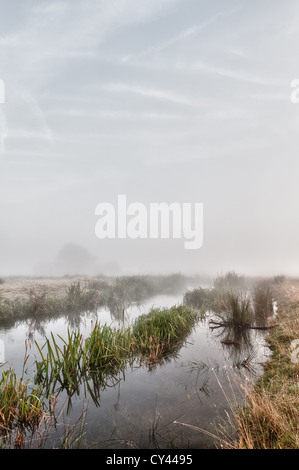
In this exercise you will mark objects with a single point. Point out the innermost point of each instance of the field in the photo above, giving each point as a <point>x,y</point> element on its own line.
<point>19,287</point>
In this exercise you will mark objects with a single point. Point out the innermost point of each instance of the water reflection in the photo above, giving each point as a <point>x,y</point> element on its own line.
<point>238,342</point>
<point>136,405</point>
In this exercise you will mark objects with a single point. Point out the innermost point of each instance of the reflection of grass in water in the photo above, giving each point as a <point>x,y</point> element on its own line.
<point>121,292</point>
<point>116,294</point>
<point>201,369</point>
<point>75,360</point>
<point>219,432</point>
<point>24,415</point>
<point>238,343</point>
<point>268,417</point>
<point>102,355</point>
<point>40,307</point>
<point>145,428</point>
<point>137,288</point>
<point>28,415</point>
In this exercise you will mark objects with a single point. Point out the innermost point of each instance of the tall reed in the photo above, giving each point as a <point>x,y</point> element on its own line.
<point>263,302</point>
<point>237,310</point>
<point>70,362</point>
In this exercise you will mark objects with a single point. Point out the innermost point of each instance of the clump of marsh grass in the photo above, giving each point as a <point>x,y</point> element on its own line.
<point>28,413</point>
<point>80,299</point>
<point>237,311</point>
<point>263,302</point>
<point>22,407</point>
<point>228,282</point>
<point>36,305</point>
<point>27,420</point>
<point>60,362</point>
<point>214,298</point>
<point>69,362</point>
<point>279,279</point>
<point>162,329</point>
<point>108,347</point>
<point>199,298</point>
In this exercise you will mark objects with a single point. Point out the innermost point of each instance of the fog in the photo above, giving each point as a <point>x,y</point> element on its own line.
<point>183,101</point>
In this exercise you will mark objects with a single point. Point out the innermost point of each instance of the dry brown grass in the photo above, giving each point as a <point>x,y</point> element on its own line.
<point>19,287</point>
<point>270,418</point>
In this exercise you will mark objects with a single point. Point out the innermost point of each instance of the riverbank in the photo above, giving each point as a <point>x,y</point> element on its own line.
<point>269,419</point>
<point>19,287</point>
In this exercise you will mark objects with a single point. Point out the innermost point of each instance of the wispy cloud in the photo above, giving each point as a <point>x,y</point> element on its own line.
<point>232,73</point>
<point>183,35</point>
<point>158,94</point>
<point>52,36</point>
<point>114,115</point>
<point>163,45</point>
<point>55,31</point>
<point>36,111</point>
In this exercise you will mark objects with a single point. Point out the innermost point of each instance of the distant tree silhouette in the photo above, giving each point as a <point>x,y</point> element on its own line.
<point>75,259</point>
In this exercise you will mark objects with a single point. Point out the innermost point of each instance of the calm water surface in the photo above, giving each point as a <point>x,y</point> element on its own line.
<point>139,408</point>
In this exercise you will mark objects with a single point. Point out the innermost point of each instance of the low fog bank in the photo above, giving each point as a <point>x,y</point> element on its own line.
<point>74,259</point>
<point>161,101</point>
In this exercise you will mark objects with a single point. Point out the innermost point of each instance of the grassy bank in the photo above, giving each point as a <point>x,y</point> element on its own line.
<point>39,306</point>
<point>36,304</point>
<point>269,420</point>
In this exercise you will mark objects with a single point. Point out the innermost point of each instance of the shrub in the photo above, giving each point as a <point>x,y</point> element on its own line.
<point>229,281</point>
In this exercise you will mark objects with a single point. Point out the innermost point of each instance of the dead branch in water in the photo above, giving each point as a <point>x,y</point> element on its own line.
<point>230,341</point>
<point>224,324</point>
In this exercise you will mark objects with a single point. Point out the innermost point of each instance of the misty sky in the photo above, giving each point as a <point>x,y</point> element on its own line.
<point>161,100</point>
